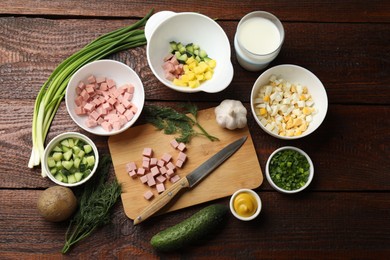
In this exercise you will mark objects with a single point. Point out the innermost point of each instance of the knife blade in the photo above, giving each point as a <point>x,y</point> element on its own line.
<point>190,180</point>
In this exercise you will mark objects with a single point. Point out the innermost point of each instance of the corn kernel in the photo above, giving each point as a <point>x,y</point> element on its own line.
<point>263,111</point>
<point>266,98</point>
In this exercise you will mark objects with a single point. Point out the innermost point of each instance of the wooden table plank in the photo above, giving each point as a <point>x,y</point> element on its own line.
<point>31,51</point>
<point>347,155</point>
<point>340,223</point>
<point>313,11</point>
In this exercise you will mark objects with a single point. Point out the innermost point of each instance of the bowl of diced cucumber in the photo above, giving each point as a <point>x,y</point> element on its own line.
<point>70,159</point>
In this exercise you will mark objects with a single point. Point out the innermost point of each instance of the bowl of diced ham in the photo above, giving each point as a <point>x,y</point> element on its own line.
<point>289,101</point>
<point>105,97</point>
<point>188,52</point>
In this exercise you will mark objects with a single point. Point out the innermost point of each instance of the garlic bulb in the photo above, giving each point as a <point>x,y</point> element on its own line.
<point>231,114</point>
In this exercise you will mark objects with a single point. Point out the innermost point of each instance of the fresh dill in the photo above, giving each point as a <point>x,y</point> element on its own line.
<point>95,202</point>
<point>174,122</point>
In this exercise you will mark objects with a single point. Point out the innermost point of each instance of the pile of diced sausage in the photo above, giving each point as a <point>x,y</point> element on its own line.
<point>104,103</point>
<point>155,172</point>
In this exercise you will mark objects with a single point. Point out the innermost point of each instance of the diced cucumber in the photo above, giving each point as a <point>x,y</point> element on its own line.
<point>76,150</point>
<point>78,176</point>
<point>190,48</point>
<point>65,143</point>
<point>173,45</point>
<point>59,177</point>
<point>183,58</point>
<point>53,170</point>
<point>72,179</point>
<point>51,162</point>
<point>57,156</point>
<point>71,142</point>
<point>65,148</point>
<point>67,155</point>
<point>57,149</point>
<point>81,154</point>
<point>76,162</point>
<point>67,164</point>
<point>90,160</point>
<point>87,148</point>
<point>87,172</point>
<point>202,54</point>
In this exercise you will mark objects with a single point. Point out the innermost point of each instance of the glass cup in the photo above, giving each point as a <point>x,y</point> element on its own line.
<point>258,40</point>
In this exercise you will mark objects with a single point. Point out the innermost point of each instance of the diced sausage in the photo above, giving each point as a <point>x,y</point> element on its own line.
<point>148,195</point>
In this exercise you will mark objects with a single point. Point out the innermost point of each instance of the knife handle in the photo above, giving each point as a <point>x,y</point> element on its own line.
<point>162,200</point>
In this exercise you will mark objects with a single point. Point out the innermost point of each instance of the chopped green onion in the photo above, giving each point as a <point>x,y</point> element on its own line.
<point>53,90</point>
<point>289,169</point>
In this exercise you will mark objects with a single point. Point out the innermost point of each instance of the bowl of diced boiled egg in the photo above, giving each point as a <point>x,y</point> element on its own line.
<point>188,52</point>
<point>289,101</point>
<point>70,159</point>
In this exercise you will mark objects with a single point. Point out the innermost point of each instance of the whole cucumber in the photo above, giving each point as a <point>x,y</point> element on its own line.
<point>190,230</point>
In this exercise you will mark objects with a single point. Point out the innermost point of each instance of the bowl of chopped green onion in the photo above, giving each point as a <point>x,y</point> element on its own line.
<point>70,159</point>
<point>289,170</point>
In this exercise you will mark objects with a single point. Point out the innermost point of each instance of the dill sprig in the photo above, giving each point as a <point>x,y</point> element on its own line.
<point>174,122</point>
<point>95,202</point>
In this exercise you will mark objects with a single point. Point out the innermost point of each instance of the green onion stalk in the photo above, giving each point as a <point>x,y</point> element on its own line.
<point>53,90</point>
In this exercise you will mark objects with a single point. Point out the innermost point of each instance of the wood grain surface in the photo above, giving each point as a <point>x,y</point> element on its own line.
<point>241,170</point>
<point>344,214</point>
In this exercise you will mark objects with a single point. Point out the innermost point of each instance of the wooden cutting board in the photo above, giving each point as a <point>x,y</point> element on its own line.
<point>241,170</point>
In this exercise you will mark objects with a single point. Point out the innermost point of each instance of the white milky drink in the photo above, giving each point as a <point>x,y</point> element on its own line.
<point>259,35</point>
<point>258,40</point>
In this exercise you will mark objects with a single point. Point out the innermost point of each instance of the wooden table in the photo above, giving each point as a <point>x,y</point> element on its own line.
<point>345,213</point>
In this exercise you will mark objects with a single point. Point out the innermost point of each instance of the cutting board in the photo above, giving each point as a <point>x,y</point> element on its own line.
<point>241,170</point>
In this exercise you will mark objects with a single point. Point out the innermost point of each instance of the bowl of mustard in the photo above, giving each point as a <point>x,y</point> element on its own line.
<point>245,204</point>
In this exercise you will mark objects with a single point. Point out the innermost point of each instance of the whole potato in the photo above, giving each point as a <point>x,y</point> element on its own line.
<point>57,203</point>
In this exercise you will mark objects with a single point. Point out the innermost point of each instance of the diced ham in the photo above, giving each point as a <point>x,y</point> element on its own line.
<point>147,152</point>
<point>91,79</point>
<point>174,178</point>
<point>182,157</point>
<point>174,143</point>
<point>148,195</point>
<point>110,83</point>
<point>154,171</point>
<point>89,107</point>
<point>179,163</point>
<point>144,179</point>
<point>181,147</point>
<point>131,166</point>
<point>106,126</point>
<point>151,181</point>
<point>132,174</point>
<point>166,157</point>
<point>141,171</point>
<point>160,163</point>
<point>171,166</point>
<point>163,170</point>
<point>100,79</point>
<point>161,179</point>
<point>145,165</point>
<point>160,187</point>
<point>153,161</point>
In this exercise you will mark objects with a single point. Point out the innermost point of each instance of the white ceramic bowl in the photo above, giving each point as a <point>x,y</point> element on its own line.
<point>187,28</point>
<point>252,193</point>
<point>276,187</point>
<point>121,74</point>
<point>298,75</point>
<point>57,140</point>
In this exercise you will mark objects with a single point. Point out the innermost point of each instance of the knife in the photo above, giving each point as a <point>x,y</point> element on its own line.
<point>190,180</point>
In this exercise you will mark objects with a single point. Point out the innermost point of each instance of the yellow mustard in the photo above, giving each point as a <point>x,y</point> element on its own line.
<point>245,204</point>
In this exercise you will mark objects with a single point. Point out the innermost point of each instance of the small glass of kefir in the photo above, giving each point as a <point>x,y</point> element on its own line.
<point>258,40</point>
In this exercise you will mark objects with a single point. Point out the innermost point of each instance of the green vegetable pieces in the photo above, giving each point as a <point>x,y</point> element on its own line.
<point>289,169</point>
